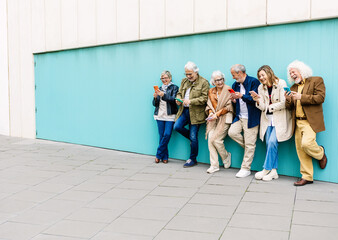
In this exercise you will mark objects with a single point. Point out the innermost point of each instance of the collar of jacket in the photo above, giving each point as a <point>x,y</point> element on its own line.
<point>192,84</point>
<point>274,85</point>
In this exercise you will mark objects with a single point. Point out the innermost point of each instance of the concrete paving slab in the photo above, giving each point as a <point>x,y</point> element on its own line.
<point>253,234</point>
<point>211,211</point>
<point>316,206</point>
<point>150,212</point>
<point>263,222</point>
<point>119,236</point>
<point>95,215</point>
<point>269,197</point>
<point>263,208</point>
<point>75,229</point>
<point>315,219</point>
<point>215,199</point>
<point>173,191</point>
<point>19,231</point>
<point>163,201</point>
<point>200,224</point>
<point>300,232</point>
<point>136,226</point>
<point>184,235</point>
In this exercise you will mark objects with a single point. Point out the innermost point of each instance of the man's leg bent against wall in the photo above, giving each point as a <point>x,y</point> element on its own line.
<point>235,133</point>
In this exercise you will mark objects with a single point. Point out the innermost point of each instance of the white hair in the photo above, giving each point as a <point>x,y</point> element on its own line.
<point>304,70</point>
<point>215,74</point>
<point>191,66</point>
<point>238,68</point>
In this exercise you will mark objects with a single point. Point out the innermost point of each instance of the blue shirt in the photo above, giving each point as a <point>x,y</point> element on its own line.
<point>250,84</point>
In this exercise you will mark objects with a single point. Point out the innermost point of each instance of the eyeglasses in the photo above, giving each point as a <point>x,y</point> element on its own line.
<point>188,74</point>
<point>164,78</point>
<point>218,80</point>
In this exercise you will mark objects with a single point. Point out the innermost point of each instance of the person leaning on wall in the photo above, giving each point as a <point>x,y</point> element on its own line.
<point>192,95</point>
<point>165,113</point>
<point>247,116</point>
<point>305,100</point>
<point>220,113</point>
<point>276,121</point>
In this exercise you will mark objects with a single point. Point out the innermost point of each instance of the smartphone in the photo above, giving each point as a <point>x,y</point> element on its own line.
<point>156,88</point>
<point>231,90</point>
<point>179,100</point>
<point>287,89</point>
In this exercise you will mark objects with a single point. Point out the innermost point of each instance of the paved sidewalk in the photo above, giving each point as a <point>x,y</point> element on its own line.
<point>58,191</point>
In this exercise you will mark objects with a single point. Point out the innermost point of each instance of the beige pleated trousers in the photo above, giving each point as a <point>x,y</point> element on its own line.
<point>247,140</point>
<point>216,145</point>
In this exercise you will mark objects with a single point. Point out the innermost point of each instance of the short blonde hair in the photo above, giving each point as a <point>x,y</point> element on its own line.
<point>166,72</point>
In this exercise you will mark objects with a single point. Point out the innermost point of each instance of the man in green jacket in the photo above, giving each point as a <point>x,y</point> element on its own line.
<point>194,94</point>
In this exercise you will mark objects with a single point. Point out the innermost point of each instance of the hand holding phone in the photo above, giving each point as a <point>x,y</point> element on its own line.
<point>253,94</point>
<point>287,89</point>
<point>156,88</point>
<point>177,99</point>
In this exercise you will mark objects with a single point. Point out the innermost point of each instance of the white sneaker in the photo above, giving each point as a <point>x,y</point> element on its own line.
<point>212,169</point>
<point>272,175</point>
<point>261,174</point>
<point>243,173</point>
<point>227,161</point>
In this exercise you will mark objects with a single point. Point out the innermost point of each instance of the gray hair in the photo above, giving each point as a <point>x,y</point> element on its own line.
<point>238,68</point>
<point>304,70</point>
<point>191,66</point>
<point>166,72</point>
<point>215,74</point>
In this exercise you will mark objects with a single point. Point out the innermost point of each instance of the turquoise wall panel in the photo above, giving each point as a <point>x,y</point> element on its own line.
<point>101,96</point>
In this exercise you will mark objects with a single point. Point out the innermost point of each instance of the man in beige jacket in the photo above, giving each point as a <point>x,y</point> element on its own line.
<point>305,100</point>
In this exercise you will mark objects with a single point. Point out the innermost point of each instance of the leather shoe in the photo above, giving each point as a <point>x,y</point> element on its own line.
<point>302,182</point>
<point>157,160</point>
<point>323,161</point>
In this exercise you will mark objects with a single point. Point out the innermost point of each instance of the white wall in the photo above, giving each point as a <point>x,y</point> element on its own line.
<point>36,26</point>
<point>4,98</point>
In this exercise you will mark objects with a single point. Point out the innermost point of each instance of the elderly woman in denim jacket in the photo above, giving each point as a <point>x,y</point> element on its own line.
<point>276,122</point>
<point>165,113</point>
<point>220,112</point>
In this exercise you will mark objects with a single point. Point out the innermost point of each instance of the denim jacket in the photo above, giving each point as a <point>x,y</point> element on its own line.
<point>250,84</point>
<point>169,97</point>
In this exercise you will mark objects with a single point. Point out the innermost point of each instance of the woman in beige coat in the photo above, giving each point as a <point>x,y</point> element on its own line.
<point>276,121</point>
<point>220,112</point>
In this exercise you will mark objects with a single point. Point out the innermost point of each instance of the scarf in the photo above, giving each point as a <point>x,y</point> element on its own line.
<point>223,101</point>
<point>165,87</point>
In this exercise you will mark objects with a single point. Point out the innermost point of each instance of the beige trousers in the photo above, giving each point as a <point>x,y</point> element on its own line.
<point>247,140</point>
<point>307,148</point>
<point>216,145</point>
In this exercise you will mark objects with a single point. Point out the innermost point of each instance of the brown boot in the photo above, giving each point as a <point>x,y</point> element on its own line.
<point>302,182</point>
<point>323,161</point>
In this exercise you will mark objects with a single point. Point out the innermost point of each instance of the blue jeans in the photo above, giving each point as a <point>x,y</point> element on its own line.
<point>271,159</point>
<point>191,133</point>
<point>165,128</point>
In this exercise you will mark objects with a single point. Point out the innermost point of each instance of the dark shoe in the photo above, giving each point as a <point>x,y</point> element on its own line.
<point>157,160</point>
<point>165,161</point>
<point>323,161</point>
<point>189,163</point>
<point>302,182</point>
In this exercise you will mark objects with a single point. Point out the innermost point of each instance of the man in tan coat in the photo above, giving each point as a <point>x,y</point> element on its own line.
<point>305,100</point>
